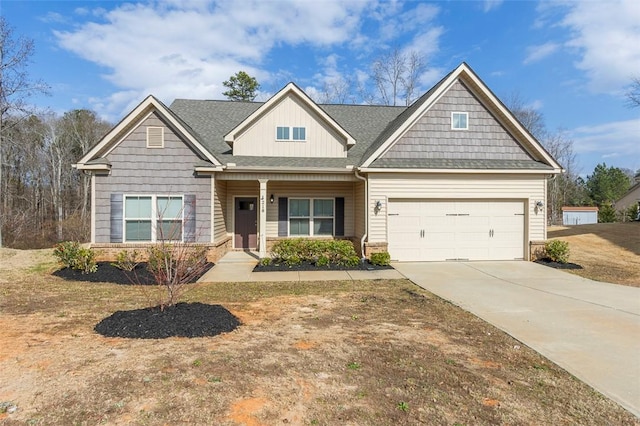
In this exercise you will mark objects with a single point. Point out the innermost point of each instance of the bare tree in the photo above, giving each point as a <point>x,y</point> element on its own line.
<point>529,117</point>
<point>15,88</point>
<point>337,91</point>
<point>415,67</point>
<point>633,93</point>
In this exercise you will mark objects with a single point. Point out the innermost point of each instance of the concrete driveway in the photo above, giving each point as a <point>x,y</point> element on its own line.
<point>589,328</point>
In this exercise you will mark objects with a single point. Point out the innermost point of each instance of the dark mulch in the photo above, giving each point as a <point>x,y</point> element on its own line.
<point>309,266</point>
<point>550,263</point>
<point>180,320</point>
<point>107,273</point>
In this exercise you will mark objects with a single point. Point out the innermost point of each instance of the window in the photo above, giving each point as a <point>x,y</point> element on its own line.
<point>308,217</point>
<point>284,133</point>
<point>299,134</point>
<point>460,120</point>
<point>153,218</point>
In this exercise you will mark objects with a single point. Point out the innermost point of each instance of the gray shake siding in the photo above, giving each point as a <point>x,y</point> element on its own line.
<point>137,169</point>
<point>432,137</point>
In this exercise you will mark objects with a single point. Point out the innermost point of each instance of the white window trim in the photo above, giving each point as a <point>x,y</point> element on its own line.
<point>161,137</point>
<point>467,120</point>
<point>154,217</point>
<point>311,217</point>
<point>291,139</point>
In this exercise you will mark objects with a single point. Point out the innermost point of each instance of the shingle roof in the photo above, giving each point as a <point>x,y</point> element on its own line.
<point>445,163</point>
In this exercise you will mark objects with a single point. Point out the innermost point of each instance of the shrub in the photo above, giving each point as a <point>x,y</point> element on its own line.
<point>380,259</point>
<point>71,255</point>
<point>173,266</point>
<point>265,261</point>
<point>127,260</point>
<point>606,213</point>
<point>631,213</point>
<point>557,250</point>
<point>321,252</point>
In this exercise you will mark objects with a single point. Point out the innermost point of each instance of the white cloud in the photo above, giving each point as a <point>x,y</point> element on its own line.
<point>605,37</point>
<point>539,52</point>
<point>177,49</point>
<point>491,4</point>
<point>619,137</point>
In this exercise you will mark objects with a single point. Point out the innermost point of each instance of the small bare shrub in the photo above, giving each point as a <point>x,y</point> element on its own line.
<point>127,260</point>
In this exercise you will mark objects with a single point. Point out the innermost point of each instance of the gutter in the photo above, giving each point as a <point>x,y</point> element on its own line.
<point>366,212</point>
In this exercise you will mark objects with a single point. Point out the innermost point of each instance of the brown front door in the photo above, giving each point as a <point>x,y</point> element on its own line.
<point>246,223</point>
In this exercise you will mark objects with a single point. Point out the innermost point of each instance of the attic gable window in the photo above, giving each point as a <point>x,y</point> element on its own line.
<point>286,133</point>
<point>460,120</point>
<point>155,137</point>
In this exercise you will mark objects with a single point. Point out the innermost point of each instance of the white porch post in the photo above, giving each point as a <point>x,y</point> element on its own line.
<point>262,218</point>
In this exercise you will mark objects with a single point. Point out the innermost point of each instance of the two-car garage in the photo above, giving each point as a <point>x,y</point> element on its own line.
<point>440,230</point>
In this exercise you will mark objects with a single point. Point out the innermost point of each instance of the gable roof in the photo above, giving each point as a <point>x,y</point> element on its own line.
<point>408,118</point>
<point>288,90</point>
<point>93,160</point>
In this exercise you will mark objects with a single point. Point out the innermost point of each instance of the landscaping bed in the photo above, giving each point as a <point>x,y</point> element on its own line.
<point>107,273</point>
<point>558,265</point>
<point>310,266</point>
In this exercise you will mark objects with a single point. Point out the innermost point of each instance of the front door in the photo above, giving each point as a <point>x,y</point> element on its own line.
<point>246,223</point>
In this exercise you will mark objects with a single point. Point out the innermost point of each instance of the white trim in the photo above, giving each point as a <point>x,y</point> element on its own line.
<point>154,216</point>
<point>462,171</point>
<point>128,124</point>
<point>212,209</point>
<point>466,114</point>
<point>287,90</point>
<point>466,74</point>
<point>93,208</point>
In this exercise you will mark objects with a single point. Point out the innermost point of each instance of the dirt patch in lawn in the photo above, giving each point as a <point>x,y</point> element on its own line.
<point>607,252</point>
<point>331,352</point>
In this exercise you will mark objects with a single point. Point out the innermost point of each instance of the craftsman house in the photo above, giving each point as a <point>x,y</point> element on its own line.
<point>453,176</point>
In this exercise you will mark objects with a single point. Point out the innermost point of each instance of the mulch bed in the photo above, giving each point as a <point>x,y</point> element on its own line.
<point>180,320</point>
<point>107,273</point>
<point>309,266</point>
<point>550,263</point>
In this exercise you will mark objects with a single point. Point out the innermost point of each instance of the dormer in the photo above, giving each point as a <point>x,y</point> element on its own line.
<point>290,124</point>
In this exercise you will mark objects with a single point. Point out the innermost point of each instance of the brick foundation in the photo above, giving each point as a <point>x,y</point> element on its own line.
<point>107,252</point>
<point>375,248</point>
<point>536,250</point>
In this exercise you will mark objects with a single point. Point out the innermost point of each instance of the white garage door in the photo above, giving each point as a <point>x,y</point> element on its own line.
<point>421,230</point>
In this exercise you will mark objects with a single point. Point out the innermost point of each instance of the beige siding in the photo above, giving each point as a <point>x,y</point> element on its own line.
<point>631,198</point>
<point>137,169</point>
<point>260,137</point>
<point>385,186</point>
<point>220,210</point>
<point>359,208</point>
<point>432,137</point>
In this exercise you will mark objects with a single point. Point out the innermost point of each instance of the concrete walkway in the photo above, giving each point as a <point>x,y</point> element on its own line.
<point>589,328</point>
<point>237,266</point>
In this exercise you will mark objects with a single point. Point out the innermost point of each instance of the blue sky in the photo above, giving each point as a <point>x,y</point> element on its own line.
<point>571,60</point>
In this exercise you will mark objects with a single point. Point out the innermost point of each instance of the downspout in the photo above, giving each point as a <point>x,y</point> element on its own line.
<point>366,212</point>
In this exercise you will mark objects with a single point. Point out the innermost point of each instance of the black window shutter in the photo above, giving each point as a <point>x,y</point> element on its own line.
<point>116,218</point>
<point>283,216</point>
<point>339,217</point>
<point>189,218</point>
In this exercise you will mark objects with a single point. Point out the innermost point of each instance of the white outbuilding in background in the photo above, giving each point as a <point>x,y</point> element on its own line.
<point>579,215</point>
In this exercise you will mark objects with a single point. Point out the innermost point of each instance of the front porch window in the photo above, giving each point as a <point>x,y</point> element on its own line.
<point>310,217</point>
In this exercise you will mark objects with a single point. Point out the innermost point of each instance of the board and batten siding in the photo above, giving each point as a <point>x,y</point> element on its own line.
<point>260,137</point>
<point>528,188</point>
<point>432,137</point>
<point>137,169</point>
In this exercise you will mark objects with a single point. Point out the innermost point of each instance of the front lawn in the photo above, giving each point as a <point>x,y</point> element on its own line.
<point>379,352</point>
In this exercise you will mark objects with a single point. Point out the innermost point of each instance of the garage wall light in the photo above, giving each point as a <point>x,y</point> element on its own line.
<point>539,204</point>
<point>271,199</point>
<point>378,206</point>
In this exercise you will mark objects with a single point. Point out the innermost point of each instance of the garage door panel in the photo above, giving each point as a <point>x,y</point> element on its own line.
<point>466,229</point>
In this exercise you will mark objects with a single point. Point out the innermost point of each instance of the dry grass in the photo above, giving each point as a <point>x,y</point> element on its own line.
<point>365,353</point>
<point>608,252</point>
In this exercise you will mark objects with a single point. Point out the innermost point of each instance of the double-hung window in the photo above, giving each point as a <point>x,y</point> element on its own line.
<point>309,217</point>
<point>153,218</point>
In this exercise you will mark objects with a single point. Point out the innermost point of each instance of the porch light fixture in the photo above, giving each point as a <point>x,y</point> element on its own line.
<point>377,207</point>
<point>539,204</point>
<point>271,199</point>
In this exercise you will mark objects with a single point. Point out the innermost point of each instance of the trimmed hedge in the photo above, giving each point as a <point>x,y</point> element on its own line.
<point>319,252</point>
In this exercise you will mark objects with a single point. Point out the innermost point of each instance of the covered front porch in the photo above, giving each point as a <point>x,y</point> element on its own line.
<point>251,210</point>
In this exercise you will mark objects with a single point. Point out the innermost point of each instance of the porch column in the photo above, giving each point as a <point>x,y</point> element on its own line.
<point>262,218</point>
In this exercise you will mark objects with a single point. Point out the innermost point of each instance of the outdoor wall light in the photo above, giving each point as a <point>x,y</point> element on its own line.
<point>271,199</point>
<point>539,204</point>
<point>377,207</point>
